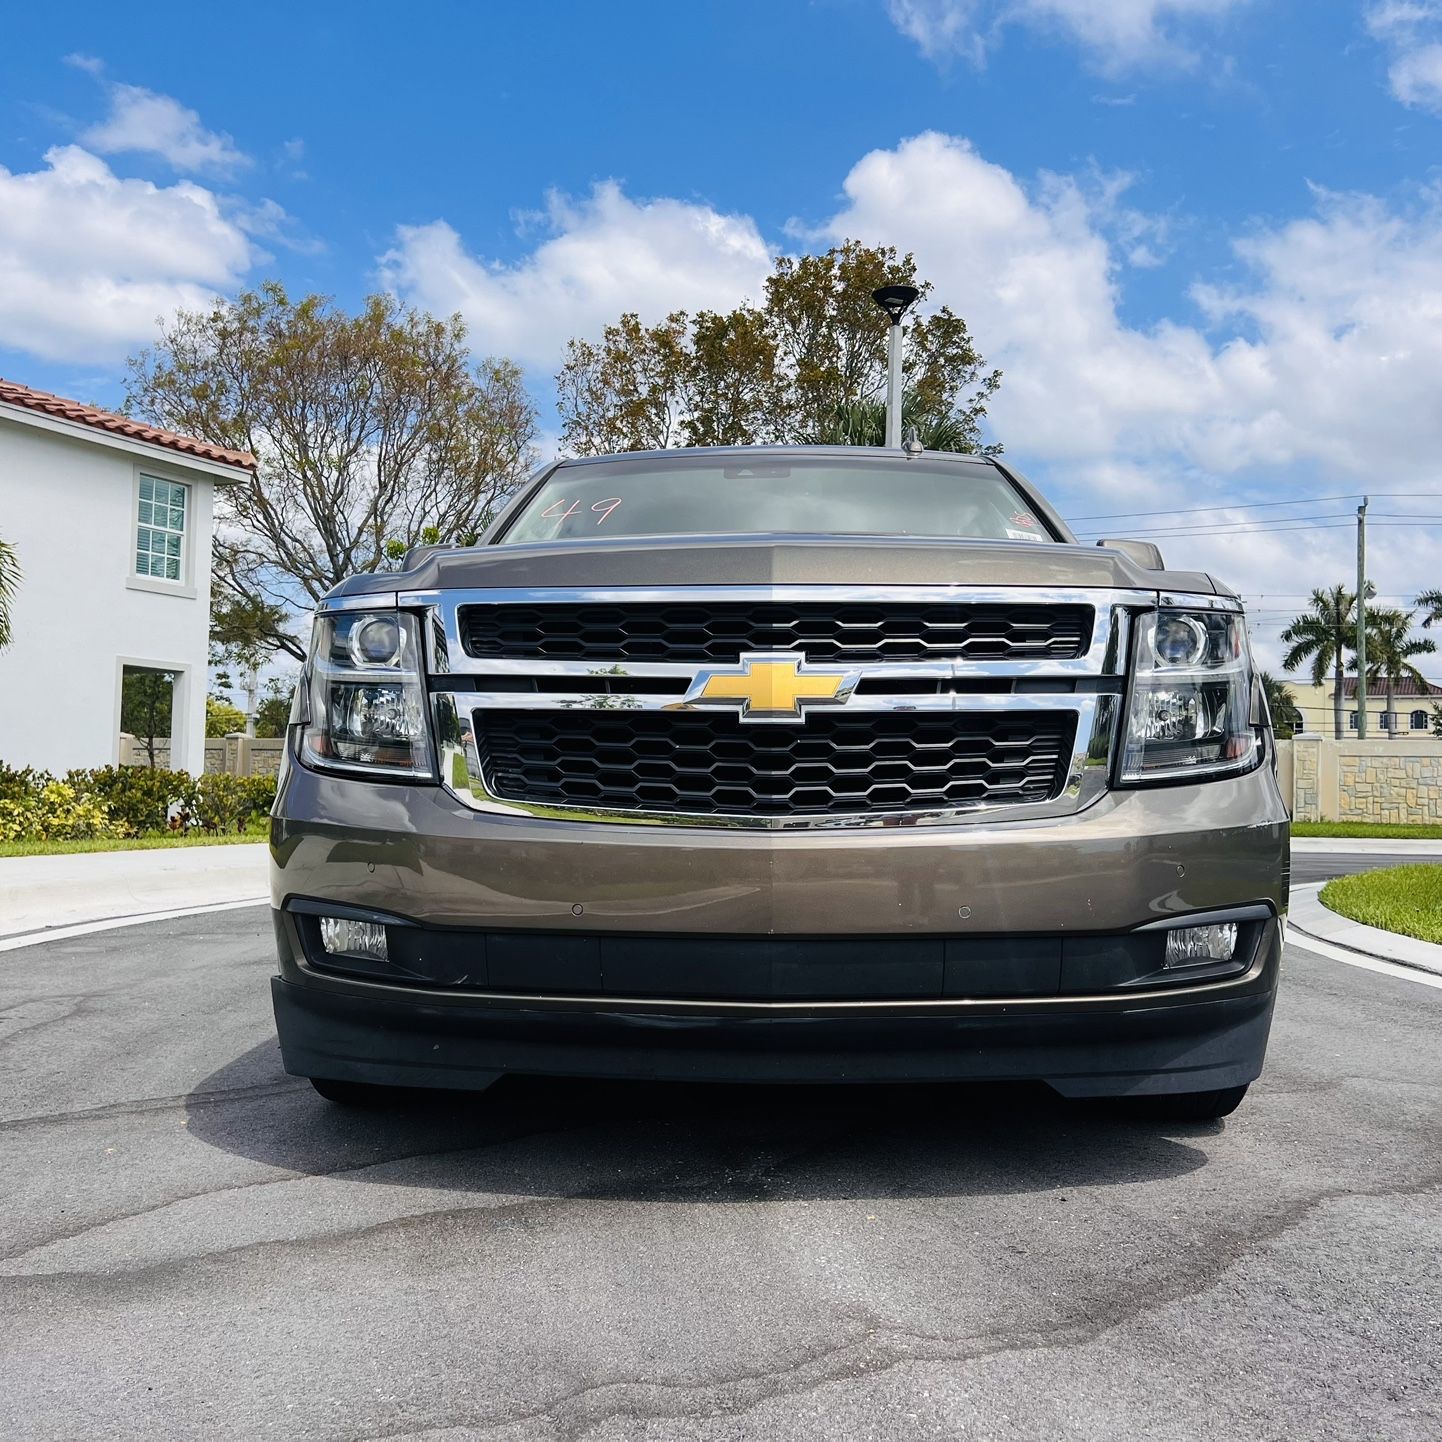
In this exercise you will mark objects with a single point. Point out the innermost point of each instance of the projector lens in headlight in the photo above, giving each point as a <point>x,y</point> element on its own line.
<point>1181,640</point>
<point>1196,945</point>
<point>376,641</point>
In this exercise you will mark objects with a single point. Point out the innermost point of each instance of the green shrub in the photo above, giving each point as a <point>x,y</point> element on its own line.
<point>139,798</point>
<point>55,811</point>
<point>260,792</point>
<point>222,802</point>
<point>125,801</point>
<point>21,783</point>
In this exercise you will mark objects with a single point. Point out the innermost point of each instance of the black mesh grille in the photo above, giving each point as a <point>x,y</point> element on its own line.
<point>721,631</point>
<point>687,762</point>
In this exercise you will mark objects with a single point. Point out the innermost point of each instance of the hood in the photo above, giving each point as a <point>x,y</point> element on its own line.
<point>779,560</point>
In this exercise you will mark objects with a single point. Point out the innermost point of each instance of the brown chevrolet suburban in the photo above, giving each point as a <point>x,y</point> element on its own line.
<point>784,764</point>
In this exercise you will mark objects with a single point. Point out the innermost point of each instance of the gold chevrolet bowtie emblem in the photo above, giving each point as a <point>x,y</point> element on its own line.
<point>770,686</point>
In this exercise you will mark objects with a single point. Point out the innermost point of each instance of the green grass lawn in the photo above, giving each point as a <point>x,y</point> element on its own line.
<point>1361,829</point>
<point>1404,899</point>
<point>160,840</point>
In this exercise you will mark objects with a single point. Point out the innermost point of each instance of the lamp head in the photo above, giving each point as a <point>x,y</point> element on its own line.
<point>895,300</point>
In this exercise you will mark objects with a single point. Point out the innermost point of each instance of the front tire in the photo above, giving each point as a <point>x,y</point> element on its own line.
<point>1183,1106</point>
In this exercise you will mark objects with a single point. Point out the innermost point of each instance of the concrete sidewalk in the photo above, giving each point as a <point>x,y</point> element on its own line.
<point>43,893</point>
<point>1310,919</point>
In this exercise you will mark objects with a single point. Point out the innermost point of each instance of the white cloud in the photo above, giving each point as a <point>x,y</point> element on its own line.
<point>1325,355</point>
<point>1417,77</point>
<point>142,122</point>
<point>604,255</point>
<point>942,29</point>
<point>1412,32</point>
<point>89,260</point>
<point>1114,33</point>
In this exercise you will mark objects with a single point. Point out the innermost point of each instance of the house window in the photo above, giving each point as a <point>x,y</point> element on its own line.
<point>160,530</point>
<point>1352,720</point>
<point>1419,720</point>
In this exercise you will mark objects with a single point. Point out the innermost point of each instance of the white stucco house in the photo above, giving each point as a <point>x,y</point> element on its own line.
<point>111,521</point>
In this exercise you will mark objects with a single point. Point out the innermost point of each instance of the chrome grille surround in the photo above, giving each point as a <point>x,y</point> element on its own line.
<point>1090,685</point>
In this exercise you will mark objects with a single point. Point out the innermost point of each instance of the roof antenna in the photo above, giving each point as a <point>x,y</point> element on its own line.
<point>912,444</point>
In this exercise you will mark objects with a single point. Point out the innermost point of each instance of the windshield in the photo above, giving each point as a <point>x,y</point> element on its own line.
<point>826,495</point>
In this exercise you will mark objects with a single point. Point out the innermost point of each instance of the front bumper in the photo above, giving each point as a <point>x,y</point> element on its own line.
<point>1111,1046</point>
<point>1081,882</point>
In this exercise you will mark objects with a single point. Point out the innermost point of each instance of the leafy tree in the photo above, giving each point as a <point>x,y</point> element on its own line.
<point>1281,705</point>
<point>146,698</point>
<point>245,630</point>
<point>1318,638</point>
<point>1391,648</point>
<point>789,371</point>
<point>221,718</point>
<point>1431,603</point>
<point>395,550</point>
<point>9,585</point>
<point>366,427</point>
<point>273,713</point>
<point>1437,721</point>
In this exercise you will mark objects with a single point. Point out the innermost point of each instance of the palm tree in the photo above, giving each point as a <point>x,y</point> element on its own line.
<point>1281,705</point>
<point>1319,638</point>
<point>9,584</point>
<point>863,423</point>
<point>1431,602</point>
<point>1390,648</point>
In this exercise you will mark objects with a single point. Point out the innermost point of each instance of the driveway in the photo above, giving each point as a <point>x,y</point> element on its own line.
<point>194,1244</point>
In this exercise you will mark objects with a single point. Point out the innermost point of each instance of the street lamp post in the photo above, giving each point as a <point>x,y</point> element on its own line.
<point>1362,620</point>
<point>895,300</point>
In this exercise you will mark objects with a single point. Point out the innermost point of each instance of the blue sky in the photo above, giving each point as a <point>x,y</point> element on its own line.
<point>1203,237</point>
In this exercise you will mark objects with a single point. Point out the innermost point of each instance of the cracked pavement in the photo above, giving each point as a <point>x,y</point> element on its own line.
<point>192,1243</point>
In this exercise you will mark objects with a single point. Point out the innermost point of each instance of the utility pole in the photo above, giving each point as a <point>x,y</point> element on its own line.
<point>895,300</point>
<point>1362,620</point>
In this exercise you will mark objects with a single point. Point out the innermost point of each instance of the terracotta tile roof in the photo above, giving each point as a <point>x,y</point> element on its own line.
<point>1377,690</point>
<point>15,394</point>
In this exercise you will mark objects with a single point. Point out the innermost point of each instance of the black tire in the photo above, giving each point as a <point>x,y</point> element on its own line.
<point>1183,1106</point>
<point>355,1094</point>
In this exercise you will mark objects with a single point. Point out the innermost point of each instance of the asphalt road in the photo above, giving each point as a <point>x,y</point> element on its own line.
<point>1322,866</point>
<point>193,1244</point>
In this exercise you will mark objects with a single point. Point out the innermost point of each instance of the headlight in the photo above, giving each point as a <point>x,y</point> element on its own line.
<point>1191,697</point>
<point>367,703</point>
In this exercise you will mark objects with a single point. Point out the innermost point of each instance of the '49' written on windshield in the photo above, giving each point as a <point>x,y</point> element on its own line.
<point>602,509</point>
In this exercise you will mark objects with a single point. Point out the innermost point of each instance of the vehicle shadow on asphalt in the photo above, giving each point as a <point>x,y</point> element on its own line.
<point>691,1142</point>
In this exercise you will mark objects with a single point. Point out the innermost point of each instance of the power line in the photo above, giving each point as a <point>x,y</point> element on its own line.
<point>1252,528</point>
<point>1263,505</point>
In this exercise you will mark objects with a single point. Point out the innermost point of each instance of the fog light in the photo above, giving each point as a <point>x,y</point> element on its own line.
<point>1192,945</point>
<point>353,938</point>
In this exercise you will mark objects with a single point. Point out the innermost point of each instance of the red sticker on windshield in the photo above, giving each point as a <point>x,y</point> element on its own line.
<point>1022,519</point>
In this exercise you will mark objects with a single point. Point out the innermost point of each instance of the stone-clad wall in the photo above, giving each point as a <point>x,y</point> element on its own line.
<point>1305,798</point>
<point>1389,781</point>
<point>239,755</point>
<point>1386,788</point>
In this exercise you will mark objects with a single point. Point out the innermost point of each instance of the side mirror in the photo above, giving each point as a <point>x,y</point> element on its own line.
<point>1146,555</point>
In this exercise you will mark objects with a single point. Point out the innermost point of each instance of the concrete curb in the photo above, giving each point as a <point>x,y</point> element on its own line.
<point>1364,846</point>
<point>1308,917</point>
